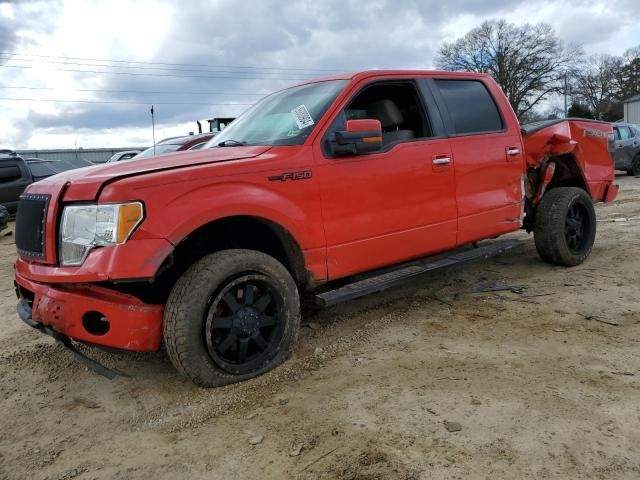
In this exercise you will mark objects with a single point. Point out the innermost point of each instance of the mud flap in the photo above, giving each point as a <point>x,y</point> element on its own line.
<point>24,312</point>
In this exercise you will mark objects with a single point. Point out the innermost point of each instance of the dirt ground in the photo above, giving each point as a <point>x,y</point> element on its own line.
<point>434,380</point>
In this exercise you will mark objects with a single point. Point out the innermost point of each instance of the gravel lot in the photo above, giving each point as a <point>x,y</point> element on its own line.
<point>430,381</point>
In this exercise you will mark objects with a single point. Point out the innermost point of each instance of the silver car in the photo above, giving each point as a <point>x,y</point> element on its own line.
<point>627,151</point>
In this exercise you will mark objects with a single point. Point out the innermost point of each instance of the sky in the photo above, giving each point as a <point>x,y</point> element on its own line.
<point>85,73</point>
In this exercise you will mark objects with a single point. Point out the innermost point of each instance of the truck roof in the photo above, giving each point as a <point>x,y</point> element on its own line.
<point>363,74</point>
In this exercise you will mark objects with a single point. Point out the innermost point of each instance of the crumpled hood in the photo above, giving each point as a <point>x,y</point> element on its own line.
<point>96,176</point>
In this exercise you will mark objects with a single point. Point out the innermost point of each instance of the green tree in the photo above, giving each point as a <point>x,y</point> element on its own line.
<point>578,110</point>
<point>629,77</point>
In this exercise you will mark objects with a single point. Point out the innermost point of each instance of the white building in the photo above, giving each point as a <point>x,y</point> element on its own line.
<point>632,110</point>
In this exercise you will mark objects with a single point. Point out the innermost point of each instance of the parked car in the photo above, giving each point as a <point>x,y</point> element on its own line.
<point>211,250</point>
<point>4,217</point>
<point>120,156</point>
<point>176,144</point>
<point>16,173</point>
<point>627,150</point>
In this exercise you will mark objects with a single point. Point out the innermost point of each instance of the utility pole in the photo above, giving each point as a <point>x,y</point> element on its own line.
<point>566,93</point>
<point>153,131</point>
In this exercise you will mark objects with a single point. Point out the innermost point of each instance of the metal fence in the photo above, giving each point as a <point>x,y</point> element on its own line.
<point>95,155</point>
<point>632,112</point>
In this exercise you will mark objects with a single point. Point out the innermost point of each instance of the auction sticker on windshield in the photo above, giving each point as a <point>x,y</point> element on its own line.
<point>302,117</point>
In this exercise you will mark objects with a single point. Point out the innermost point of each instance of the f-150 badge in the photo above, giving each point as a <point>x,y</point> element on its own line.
<point>291,176</point>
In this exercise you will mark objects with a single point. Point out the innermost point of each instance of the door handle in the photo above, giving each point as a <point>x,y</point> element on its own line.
<point>512,154</point>
<point>441,160</point>
<point>513,151</point>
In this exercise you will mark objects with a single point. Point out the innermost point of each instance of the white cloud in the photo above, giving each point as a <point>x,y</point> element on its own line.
<point>339,35</point>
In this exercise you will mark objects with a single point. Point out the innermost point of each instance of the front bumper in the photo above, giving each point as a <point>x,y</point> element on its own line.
<point>66,308</point>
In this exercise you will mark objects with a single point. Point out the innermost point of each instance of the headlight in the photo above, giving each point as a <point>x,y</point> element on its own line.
<point>87,226</point>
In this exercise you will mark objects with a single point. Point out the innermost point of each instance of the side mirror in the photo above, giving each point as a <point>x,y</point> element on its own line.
<point>360,136</point>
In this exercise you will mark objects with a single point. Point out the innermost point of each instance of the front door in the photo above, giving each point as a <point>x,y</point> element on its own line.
<point>393,205</point>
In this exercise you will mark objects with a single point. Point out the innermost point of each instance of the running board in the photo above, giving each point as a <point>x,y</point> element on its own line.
<point>396,277</point>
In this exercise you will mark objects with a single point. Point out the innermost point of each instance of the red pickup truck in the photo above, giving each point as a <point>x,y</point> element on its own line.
<point>210,250</point>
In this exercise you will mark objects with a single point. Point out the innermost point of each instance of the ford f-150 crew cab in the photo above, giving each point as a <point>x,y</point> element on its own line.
<point>210,250</point>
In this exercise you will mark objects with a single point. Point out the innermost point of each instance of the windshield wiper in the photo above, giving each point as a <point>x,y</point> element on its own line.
<point>231,143</point>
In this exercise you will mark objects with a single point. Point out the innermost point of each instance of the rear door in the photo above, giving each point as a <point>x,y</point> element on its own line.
<point>487,154</point>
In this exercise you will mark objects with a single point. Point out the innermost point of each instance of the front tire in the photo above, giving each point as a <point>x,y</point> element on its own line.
<point>233,315</point>
<point>565,227</point>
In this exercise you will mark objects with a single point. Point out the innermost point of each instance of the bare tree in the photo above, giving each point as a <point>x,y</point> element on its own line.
<point>529,62</point>
<point>598,85</point>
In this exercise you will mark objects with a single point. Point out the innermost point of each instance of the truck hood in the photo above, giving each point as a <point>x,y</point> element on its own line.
<point>86,182</point>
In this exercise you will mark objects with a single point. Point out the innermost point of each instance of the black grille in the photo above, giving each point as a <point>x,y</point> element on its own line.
<point>30,224</point>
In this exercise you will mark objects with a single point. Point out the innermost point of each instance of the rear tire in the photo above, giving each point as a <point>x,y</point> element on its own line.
<point>233,315</point>
<point>565,227</point>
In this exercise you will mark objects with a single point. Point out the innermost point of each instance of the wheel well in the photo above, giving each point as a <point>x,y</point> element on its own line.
<point>567,174</point>
<point>246,232</point>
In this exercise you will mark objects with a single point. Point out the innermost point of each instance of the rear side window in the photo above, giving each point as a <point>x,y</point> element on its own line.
<point>624,133</point>
<point>470,105</point>
<point>9,174</point>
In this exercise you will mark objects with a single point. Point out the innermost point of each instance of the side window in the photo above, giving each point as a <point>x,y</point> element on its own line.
<point>396,105</point>
<point>9,174</point>
<point>625,133</point>
<point>470,106</point>
<point>616,131</point>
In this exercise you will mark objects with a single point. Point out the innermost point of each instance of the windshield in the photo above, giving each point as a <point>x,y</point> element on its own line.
<point>160,149</point>
<point>284,118</point>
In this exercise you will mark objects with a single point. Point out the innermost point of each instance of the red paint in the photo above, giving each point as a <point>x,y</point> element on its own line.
<point>353,214</point>
<point>547,176</point>
<point>363,126</point>
<point>133,324</point>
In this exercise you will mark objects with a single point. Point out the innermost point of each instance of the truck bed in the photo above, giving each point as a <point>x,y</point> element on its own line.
<point>588,142</point>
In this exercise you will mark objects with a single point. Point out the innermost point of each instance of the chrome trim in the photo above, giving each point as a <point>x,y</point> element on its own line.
<point>441,161</point>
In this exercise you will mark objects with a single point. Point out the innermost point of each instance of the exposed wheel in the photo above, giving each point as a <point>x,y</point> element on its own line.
<point>565,226</point>
<point>635,167</point>
<point>233,315</point>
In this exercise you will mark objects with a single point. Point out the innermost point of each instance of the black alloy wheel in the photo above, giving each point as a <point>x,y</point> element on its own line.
<point>243,327</point>
<point>576,226</point>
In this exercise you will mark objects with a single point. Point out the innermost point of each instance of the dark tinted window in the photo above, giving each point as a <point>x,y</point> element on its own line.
<point>42,170</point>
<point>9,174</point>
<point>470,106</point>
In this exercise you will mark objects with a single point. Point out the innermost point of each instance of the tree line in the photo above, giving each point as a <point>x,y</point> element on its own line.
<point>531,64</point>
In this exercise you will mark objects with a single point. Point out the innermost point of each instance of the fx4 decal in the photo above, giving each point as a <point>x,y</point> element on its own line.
<point>291,176</point>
